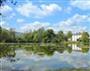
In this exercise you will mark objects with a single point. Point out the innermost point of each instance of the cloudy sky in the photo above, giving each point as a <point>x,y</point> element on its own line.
<point>66,15</point>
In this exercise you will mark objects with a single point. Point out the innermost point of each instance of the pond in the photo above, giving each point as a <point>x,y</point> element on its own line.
<point>45,58</point>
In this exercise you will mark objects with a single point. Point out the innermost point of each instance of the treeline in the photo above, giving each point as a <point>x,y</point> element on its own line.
<point>39,36</point>
<point>7,35</point>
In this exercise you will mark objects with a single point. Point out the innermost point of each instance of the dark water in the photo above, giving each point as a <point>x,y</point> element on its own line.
<point>46,58</point>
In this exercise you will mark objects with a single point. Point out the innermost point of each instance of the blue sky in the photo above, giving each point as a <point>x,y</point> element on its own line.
<point>65,15</point>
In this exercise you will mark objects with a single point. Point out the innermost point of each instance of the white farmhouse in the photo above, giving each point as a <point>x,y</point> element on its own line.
<point>76,36</point>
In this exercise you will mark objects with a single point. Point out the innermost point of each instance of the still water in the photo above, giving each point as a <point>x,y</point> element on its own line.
<point>35,58</point>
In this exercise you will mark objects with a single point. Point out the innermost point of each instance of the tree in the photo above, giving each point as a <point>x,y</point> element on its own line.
<point>2,3</point>
<point>60,36</point>
<point>5,35</point>
<point>28,37</point>
<point>69,35</point>
<point>0,29</point>
<point>12,35</point>
<point>41,34</point>
<point>14,2</point>
<point>49,35</point>
<point>0,33</point>
<point>35,36</point>
<point>85,38</point>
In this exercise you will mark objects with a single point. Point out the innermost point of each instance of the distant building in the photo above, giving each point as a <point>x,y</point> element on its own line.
<point>76,36</point>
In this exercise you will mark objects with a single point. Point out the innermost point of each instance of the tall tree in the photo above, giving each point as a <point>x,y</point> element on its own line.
<point>0,29</point>
<point>69,34</point>
<point>4,35</point>
<point>60,36</point>
<point>85,38</point>
<point>0,33</point>
<point>41,34</point>
<point>12,35</point>
<point>49,35</point>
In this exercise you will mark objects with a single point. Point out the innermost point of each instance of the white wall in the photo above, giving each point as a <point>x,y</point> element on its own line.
<point>75,37</point>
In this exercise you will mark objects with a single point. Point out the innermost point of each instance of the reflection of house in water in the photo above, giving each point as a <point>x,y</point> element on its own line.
<point>75,47</point>
<point>76,36</point>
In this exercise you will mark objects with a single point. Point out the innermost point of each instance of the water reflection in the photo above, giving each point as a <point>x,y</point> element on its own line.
<point>44,58</point>
<point>81,48</point>
<point>10,52</point>
<point>7,52</point>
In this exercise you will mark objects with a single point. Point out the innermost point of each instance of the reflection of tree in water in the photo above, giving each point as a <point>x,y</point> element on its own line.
<point>6,51</point>
<point>9,51</point>
<point>69,50</point>
<point>71,69</point>
<point>85,49</point>
<point>40,50</point>
<point>47,50</point>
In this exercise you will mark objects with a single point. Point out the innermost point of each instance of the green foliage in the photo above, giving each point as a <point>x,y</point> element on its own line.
<point>85,50</point>
<point>0,33</point>
<point>85,38</point>
<point>60,37</point>
<point>69,34</point>
<point>7,35</point>
<point>39,36</point>
<point>49,35</point>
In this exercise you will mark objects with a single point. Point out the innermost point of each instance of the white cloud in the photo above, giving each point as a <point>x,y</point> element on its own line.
<point>37,25</point>
<point>50,8</point>
<point>5,8</point>
<point>75,23</point>
<point>4,24</point>
<point>75,20</point>
<point>29,9</point>
<point>82,4</point>
<point>34,26</point>
<point>67,10</point>
<point>20,20</point>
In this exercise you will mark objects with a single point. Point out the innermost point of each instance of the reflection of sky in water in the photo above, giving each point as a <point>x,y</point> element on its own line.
<point>27,61</point>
